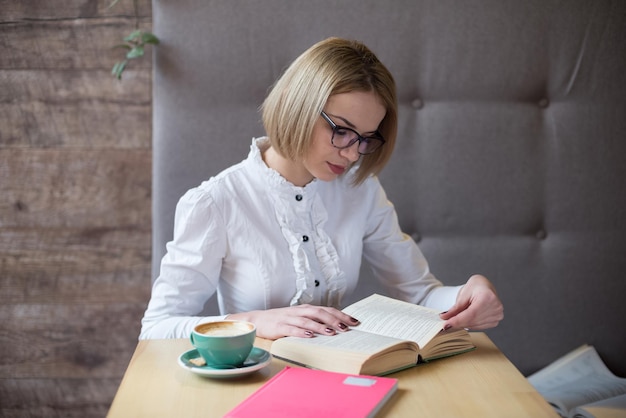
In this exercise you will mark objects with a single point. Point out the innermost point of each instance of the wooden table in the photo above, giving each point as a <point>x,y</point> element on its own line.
<point>481,383</point>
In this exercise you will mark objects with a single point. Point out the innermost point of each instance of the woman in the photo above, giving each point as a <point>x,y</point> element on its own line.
<point>280,236</point>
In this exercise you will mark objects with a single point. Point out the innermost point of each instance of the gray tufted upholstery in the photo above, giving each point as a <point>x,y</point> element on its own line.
<point>511,157</point>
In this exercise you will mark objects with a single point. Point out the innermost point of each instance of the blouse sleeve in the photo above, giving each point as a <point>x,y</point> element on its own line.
<point>396,260</point>
<point>190,269</point>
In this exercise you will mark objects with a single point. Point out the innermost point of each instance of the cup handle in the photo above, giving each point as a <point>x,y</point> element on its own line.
<point>191,338</point>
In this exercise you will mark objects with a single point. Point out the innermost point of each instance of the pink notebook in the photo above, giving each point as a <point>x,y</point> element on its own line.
<point>300,392</point>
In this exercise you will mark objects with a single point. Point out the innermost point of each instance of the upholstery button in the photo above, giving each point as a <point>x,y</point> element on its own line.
<point>317,283</point>
<point>305,238</point>
<point>541,234</point>
<point>543,103</point>
<point>417,103</point>
<point>298,197</point>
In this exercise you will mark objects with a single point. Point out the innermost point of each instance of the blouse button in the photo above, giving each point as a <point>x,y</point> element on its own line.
<point>317,283</point>
<point>305,238</point>
<point>298,197</point>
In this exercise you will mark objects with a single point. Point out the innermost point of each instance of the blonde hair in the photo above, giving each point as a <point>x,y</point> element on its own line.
<point>332,66</point>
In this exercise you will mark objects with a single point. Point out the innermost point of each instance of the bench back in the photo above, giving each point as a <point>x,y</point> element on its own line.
<point>511,155</point>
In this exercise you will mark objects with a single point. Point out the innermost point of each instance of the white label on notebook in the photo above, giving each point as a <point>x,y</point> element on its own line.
<point>359,381</point>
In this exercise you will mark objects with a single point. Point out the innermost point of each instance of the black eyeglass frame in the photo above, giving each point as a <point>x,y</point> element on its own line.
<point>379,138</point>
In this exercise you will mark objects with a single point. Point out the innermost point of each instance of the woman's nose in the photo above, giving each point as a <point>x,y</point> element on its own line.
<point>352,152</point>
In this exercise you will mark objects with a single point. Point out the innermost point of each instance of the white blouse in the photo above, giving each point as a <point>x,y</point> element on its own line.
<point>260,242</point>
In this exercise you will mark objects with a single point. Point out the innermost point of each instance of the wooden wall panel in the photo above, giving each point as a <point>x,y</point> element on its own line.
<point>65,44</point>
<point>11,10</point>
<point>77,188</point>
<point>84,109</point>
<point>56,398</point>
<point>75,206</point>
<point>68,340</point>
<point>98,265</point>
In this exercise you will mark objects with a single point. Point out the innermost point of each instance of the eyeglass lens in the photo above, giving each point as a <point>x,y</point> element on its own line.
<point>345,137</point>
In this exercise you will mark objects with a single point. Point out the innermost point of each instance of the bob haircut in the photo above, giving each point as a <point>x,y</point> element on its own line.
<point>332,66</point>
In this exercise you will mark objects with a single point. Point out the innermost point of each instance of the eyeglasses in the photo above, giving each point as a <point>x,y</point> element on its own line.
<point>345,137</point>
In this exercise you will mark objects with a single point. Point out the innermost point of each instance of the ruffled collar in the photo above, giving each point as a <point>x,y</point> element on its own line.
<point>273,178</point>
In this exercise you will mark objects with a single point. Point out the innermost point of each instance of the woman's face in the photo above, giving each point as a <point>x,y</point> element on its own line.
<point>361,111</point>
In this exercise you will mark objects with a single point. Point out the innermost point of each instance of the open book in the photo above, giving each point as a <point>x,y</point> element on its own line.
<point>393,335</point>
<point>579,384</point>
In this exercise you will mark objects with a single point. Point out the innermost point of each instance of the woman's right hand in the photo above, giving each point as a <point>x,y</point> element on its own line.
<point>298,321</point>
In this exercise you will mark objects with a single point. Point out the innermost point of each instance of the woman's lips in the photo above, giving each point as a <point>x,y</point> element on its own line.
<point>337,169</point>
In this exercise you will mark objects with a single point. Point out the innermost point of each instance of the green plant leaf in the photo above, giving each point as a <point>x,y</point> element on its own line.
<point>136,52</point>
<point>149,38</point>
<point>136,34</point>
<point>123,46</point>
<point>118,69</point>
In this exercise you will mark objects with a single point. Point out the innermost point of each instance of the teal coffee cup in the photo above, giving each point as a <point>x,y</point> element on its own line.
<point>224,344</point>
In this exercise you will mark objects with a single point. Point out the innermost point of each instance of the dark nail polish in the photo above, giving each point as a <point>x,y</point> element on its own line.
<point>309,333</point>
<point>356,321</point>
<point>443,312</point>
<point>343,326</point>
<point>329,331</point>
<point>447,327</point>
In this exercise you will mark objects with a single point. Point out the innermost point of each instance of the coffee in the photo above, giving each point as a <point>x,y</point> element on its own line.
<point>223,332</point>
<point>221,329</point>
<point>224,344</point>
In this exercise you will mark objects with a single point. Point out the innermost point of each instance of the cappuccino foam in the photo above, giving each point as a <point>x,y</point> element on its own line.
<point>223,330</point>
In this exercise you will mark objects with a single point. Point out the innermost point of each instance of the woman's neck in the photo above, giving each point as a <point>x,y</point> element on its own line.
<point>292,171</point>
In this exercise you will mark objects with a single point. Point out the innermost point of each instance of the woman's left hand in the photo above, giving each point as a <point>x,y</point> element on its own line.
<point>477,306</point>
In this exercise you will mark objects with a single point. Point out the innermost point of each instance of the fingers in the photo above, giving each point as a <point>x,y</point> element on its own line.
<point>304,321</point>
<point>453,311</point>
<point>478,307</point>
<point>468,319</point>
<point>323,320</point>
<point>479,316</point>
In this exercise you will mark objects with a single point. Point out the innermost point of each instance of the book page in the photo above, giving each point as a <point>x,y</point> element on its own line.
<point>583,390</point>
<point>353,340</point>
<point>348,352</point>
<point>612,407</point>
<point>578,378</point>
<point>394,318</point>
<point>561,364</point>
